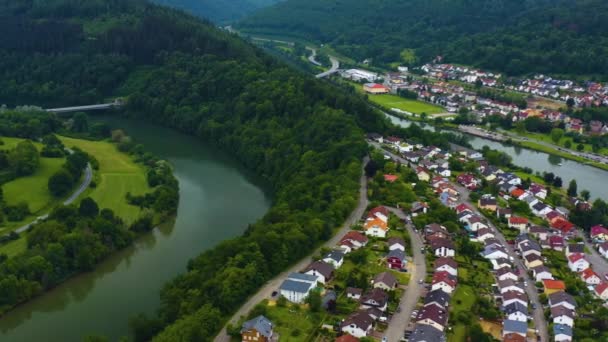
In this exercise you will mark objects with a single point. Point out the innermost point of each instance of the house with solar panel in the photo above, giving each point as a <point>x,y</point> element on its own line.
<point>258,329</point>
<point>297,287</point>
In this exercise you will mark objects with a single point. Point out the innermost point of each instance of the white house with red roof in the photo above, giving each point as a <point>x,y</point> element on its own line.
<point>354,239</point>
<point>577,262</point>
<point>443,281</point>
<point>379,212</point>
<point>590,277</point>
<point>519,223</point>
<point>375,88</point>
<point>601,290</point>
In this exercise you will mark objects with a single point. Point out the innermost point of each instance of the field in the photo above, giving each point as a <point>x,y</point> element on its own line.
<point>413,106</point>
<point>462,301</point>
<point>117,175</point>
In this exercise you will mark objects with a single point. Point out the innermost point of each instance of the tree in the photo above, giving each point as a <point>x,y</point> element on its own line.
<point>24,158</point>
<point>580,147</point>
<point>572,188</point>
<point>557,134</point>
<point>557,182</point>
<point>568,143</point>
<point>570,102</point>
<point>88,207</point>
<point>585,194</point>
<point>314,300</point>
<point>60,183</point>
<point>117,135</point>
<point>80,122</point>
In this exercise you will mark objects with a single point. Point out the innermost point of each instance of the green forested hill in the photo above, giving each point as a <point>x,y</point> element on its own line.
<point>515,36</point>
<point>219,11</point>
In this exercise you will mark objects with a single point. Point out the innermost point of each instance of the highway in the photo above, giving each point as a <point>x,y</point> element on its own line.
<point>272,285</point>
<point>401,320</point>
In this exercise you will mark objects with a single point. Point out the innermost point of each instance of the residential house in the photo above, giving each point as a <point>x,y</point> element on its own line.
<point>468,181</point>
<point>575,248</point>
<point>499,263</point>
<point>475,223</point>
<point>504,212</point>
<point>562,315</point>
<point>427,333</point>
<point>442,247</point>
<point>385,281</point>
<point>322,270</point>
<point>443,281</point>
<point>577,262</point>
<point>552,286</point>
<point>376,227</point>
<point>375,298</point>
<point>358,324</point>
<point>353,293</point>
<point>484,234</point>
<point>506,273</point>
<point>356,239</point>
<point>529,247</point>
<point>434,230</point>
<point>599,233</point>
<point>419,208</point>
<point>519,223</point>
<point>562,333</point>
<point>433,315</point>
<point>462,208</point>
<point>541,273</point>
<point>562,298</point>
<point>509,285</point>
<point>487,203</point>
<point>437,297</point>
<point>532,260</point>
<point>601,290</point>
<point>379,212</point>
<point>448,265</point>
<point>539,232</point>
<point>590,277</point>
<point>562,225</point>
<point>603,249</point>
<point>512,337</point>
<point>396,259</point>
<point>423,174</point>
<point>514,327</point>
<point>514,297</point>
<point>540,209</point>
<point>538,190</point>
<point>557,243</point>
<point>396,243</point>
<point>495,252</point>
<point>258,329</point>
<point>335,258</point>
<point>516,312</point>
<point>297,286</point>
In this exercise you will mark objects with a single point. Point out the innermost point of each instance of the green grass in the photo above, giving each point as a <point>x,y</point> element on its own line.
<point>117,175</point>
<point>14,247</point>
<point>542,148</point>
<point>462,301</point>
<point>547,139</point>
<point>293,323</point>
<point>393,101</point>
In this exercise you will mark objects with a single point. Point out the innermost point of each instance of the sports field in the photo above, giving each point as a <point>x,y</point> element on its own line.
<point>413,106</point>
<point>117,175</point>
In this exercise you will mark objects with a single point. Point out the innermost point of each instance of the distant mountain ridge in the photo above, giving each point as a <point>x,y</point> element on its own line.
<point>514,36</point>
<point>218,11</point>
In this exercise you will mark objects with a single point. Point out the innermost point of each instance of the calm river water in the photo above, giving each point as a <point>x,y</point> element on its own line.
<point>217,201</point>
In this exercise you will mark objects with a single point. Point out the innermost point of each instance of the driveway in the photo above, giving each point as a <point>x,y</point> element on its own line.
<point>266,291</point>
<point>401,320</point>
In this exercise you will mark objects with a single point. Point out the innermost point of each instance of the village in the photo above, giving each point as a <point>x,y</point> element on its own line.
<point>457,89</point>
<point>413,270</point>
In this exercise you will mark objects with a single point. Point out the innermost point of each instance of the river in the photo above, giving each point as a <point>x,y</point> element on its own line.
<point>217,201</point>
<point>587,177</point>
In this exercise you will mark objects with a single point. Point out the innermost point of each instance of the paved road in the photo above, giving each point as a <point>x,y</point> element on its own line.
<point>539,317</point>
<point>335,64</point>
<point>88,175</point>
<point>272,285</point>
<point>84,108</point>
<point>313,56</point>
<point>401,320</point>
<point>598,263</point>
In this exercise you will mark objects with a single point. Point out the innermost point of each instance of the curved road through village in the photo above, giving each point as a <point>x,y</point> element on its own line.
<point>266,291</point>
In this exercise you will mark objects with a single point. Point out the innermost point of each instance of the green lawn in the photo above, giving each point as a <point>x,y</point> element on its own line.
<point>14,247</point>
<point>462,301</point>
<point>293,323</point>
<point>117,175</point>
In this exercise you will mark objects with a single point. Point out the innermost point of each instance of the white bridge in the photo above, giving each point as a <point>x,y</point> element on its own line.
<point>102,106</point>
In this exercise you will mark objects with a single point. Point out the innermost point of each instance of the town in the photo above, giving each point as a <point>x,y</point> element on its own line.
<point>531,263</point>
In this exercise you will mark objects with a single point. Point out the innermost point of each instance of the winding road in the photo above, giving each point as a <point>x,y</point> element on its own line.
<point>266,291</point>
<point>401,320</point>
<point>335,65</point>
<point>88,175</point>
<point>313,56</point>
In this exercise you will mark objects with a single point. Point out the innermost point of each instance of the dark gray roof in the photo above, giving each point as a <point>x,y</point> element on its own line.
<point>335,255</point>
<point>426,333</point>
<point>515,307</point>
<point>261,324</point>
<point>295,286</point>
<point>302,277</point>
<point>396,253</point>
<point>515,326</point>
<point>576,248</point>
<point>328,297</point>
<point>558,297</point>
<point>322,268</point>
<point>386,278</point>
<point>438,296</point>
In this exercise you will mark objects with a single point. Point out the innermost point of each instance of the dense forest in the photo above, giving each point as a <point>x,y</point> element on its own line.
<point>304,136</point>
<point>218,11</point>
<point>512,36</point>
